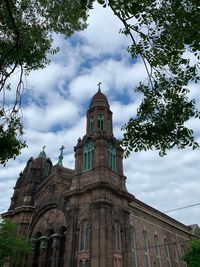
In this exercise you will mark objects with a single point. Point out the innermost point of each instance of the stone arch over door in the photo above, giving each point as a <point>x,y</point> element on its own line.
<point>51,223</point>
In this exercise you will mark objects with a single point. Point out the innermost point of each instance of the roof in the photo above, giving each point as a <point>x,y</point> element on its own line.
<point>99,99</point>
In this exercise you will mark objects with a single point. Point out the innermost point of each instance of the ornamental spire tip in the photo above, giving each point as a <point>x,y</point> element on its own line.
<point>60,158</point>
<point>99,87</point>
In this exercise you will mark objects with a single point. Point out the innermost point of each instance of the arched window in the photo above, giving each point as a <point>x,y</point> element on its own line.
<point>116,237</point>
<point>168,257</point>
<point>91,125</point>
<point>47,168</point>
<point>100,122</point>
<point>108,123</point>
<point>87,263</point>
<point>63,233</point>
<point>133,247</point>
<point>80,263</point>
<point>111,156</point>
<point>88,155</point>
<point>84,236</point>
<point>29,165</point>
<point>146,249</point>
<point>49,252</point>
<point>36,246</point>
<point>88,237</point>
<point>157,250</point>
<point>182,247</point>
<point>177,263</point>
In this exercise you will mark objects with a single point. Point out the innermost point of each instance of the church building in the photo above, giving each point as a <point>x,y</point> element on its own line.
<point>85,217</point>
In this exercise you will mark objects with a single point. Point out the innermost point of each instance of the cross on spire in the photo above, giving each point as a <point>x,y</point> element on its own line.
<point>60,158</point>
<point>99,88</point>
<point>42,153</point>
<point>61,149</point>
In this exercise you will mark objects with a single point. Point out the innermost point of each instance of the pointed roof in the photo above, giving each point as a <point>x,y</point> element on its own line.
<point>99,99</point>
<point>60,158</point>
<point>42,153</point>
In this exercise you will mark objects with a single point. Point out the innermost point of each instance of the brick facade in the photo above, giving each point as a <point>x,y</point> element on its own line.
<point>86,217</point>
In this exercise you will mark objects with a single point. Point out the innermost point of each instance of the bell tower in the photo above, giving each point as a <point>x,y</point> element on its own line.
<point>98,200</point>
<point>98,154</point>
<point>99,115</point>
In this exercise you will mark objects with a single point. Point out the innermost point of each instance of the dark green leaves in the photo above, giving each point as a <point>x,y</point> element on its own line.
<point>192,257</point>
<point>26,27</point>
<point>164,35</point>
<point>10,138</point>
<point>11,244</point>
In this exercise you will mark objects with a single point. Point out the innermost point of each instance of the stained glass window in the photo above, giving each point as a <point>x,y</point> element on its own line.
<point>100,122</point>
<point>85,236</point>
<point>88,155</point>
<point>169,264</point>
<point>47,168</point>
<point>177,264</point>
<point>91,123</point>
<point>157,250</point>
<point>108,122</point>
<point>146,250</point>
<point>116,237</point>
<point>133,247</point>
<point>112,156</point>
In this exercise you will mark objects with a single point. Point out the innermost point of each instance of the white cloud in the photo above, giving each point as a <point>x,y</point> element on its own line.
<point>102,37</point>
<point>43,118</point>
<point>129,110</point>
<point>116,77</point>
<point>56,117</point>
<point>165,183</point>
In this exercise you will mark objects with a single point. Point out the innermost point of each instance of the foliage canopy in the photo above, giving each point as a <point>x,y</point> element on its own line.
<point>12,246</point>
<point>192,257</point>
<point>26,28</point>
<point>164,35</point>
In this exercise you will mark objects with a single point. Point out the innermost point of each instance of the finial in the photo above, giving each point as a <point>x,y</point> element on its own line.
<point>42,153</point>
<point>99,89</point>
<point>60,158</point>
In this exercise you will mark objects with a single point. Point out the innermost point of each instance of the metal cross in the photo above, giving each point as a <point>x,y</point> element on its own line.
<point>99,84</point>
<point>60,158</point>
<point>43,147</point>
<point>61,149</point>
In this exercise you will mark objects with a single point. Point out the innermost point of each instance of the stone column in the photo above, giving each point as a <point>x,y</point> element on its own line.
<point>126,252</point>
<point>43,249</point>
<point>73,233</point>
<point>55,246</point>
<point>31,257</point>
<point>101,240</point>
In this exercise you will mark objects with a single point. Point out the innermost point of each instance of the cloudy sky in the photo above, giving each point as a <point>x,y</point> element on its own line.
<point>59,96</point>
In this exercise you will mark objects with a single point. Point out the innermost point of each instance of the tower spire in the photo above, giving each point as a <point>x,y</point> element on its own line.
<point>99,88</point>
<point>42,153</point>
<point>60,158</point>
<point>99,115</point>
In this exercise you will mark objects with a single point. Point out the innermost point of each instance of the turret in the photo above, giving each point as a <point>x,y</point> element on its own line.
<point>99,150</point>
<point>99,115</point>
<point>35,173</point>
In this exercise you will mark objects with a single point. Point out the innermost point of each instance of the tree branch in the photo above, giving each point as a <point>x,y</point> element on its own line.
<point>134,42</point>
<point>16,33</point>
